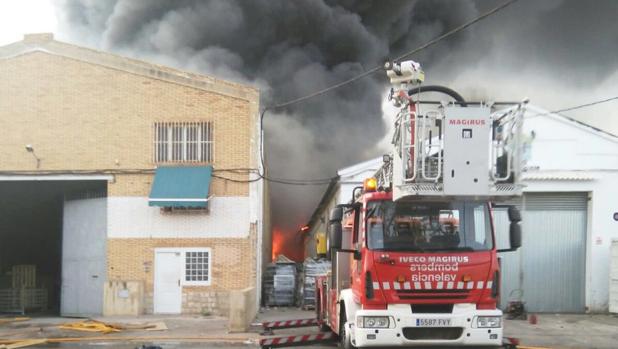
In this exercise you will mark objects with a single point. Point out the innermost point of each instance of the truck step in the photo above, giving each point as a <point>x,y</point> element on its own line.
<point>297,341</point>
<point>274,325</point>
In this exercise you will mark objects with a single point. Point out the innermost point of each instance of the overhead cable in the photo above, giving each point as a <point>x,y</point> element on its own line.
<point>404,55</point>
<point>363,75</point>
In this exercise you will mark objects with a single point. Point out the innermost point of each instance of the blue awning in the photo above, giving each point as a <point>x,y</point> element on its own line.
<point>181,187</point>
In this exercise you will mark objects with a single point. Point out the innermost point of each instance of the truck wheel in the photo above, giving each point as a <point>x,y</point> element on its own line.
<point>325,328</point>
<point>345,341</point>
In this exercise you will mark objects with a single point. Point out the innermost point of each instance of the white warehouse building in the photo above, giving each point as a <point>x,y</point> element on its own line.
<point>570,216</point>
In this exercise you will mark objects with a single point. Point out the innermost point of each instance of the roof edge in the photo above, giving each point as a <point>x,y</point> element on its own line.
<point>330,191</point>
<point>46,44</point>
<point>360,167</point>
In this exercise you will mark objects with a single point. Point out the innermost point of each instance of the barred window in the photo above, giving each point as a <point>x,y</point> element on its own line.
<point>183,142</point>
<point>197,267</point>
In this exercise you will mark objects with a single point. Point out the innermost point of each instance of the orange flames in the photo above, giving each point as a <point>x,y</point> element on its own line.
<point>288,244</point>
<point>277,244</point>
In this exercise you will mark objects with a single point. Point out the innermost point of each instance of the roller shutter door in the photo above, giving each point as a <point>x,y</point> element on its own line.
<point>548,272</point>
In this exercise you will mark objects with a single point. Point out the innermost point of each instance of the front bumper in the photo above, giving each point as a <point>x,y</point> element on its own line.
<point>462,330</point>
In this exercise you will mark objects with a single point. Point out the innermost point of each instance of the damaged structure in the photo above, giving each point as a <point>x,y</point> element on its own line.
<point>128,185</point>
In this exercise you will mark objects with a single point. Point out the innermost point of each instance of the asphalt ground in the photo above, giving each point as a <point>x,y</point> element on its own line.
<point>556,331</point>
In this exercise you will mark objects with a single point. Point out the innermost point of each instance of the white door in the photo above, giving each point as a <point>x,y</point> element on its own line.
<point>167,289</point>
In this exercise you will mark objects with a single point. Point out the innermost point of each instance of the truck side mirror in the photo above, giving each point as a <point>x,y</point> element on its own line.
<point>514,230</point>
<point>515,235</point>
<point>336,214</point>
<point>514,214</point>
<point>335,229</point>
<point>334,235</point>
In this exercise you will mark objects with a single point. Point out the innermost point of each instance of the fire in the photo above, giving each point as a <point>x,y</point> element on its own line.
<point>277,244</point>
<point>288,244</point>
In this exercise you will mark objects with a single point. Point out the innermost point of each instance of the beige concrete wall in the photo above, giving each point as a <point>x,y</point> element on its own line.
<point>243,309</point>
<point>123,298</point>
<point>267,235</point>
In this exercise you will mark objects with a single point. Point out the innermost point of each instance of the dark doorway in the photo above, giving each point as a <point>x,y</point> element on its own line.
<point>31,226</point>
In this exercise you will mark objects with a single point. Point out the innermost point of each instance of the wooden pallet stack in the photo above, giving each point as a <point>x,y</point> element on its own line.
<point>23,295</point>
<point>24,276</point>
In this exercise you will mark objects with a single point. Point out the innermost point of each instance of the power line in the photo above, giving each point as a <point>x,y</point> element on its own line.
<point>457,29</point>
<point>585,105</point>
<point>363,75</point>
<point>407,54</point>
<point>322,181</point>
<point>580,106</point>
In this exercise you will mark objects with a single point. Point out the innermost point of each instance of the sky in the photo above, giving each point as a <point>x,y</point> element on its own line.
<point>25,16</point>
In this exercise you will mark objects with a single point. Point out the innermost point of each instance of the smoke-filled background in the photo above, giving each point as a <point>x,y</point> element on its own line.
<point>557,53</point>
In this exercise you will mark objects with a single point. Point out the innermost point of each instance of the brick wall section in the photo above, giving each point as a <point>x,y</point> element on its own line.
<point>133,259</point>
<point>233,268</point>
<point>82,116</point>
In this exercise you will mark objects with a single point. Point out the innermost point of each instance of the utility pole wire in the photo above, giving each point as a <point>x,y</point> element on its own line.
<point>580,106</point>
<point>585,105</point>
<point>356,78</point>
<point>456,30</point>
<point>405,55</point>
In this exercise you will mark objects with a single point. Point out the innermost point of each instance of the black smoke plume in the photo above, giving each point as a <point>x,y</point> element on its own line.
<point>558,53</point>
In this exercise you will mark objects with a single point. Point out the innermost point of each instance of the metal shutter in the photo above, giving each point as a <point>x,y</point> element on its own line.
<point>556,201</point>
<point>553,252</point>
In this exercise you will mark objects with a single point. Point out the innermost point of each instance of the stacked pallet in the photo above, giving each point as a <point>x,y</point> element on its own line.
<point>312,268</point>
<point>280,283</point>
<point>24,276</point>
<point>23,295</point>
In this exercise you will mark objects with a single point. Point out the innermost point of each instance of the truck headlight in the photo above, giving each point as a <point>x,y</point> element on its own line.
<point>373,321</point>
<point>488,321</point>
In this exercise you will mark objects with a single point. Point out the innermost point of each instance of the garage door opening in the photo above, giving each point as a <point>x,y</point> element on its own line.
<point>548,272</point>
<point>52,235</point>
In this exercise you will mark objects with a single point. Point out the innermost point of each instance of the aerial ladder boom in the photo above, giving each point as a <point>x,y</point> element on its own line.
<point>453,148</point>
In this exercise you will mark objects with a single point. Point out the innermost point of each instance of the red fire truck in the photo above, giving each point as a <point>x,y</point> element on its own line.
<point>414,254</point>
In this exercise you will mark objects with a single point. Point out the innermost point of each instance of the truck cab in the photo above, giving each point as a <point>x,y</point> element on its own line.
<point>421,272</point>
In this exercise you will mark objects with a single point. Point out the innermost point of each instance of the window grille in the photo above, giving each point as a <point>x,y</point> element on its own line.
<point>183,142</point>
<point>197,266</point>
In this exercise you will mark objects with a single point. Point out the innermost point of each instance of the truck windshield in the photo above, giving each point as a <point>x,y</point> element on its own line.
<point>435,226</point>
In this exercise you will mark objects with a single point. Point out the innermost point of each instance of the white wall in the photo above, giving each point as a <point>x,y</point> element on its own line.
<point>131,217</point>
<point>561,144</point>
<point>613,287</point>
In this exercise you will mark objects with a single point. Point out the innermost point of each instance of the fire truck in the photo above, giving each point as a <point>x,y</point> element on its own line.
<point>414,254</point>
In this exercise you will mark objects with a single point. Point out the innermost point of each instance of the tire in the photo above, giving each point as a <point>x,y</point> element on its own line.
<point>345,342</point>
<point>325,328</point>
